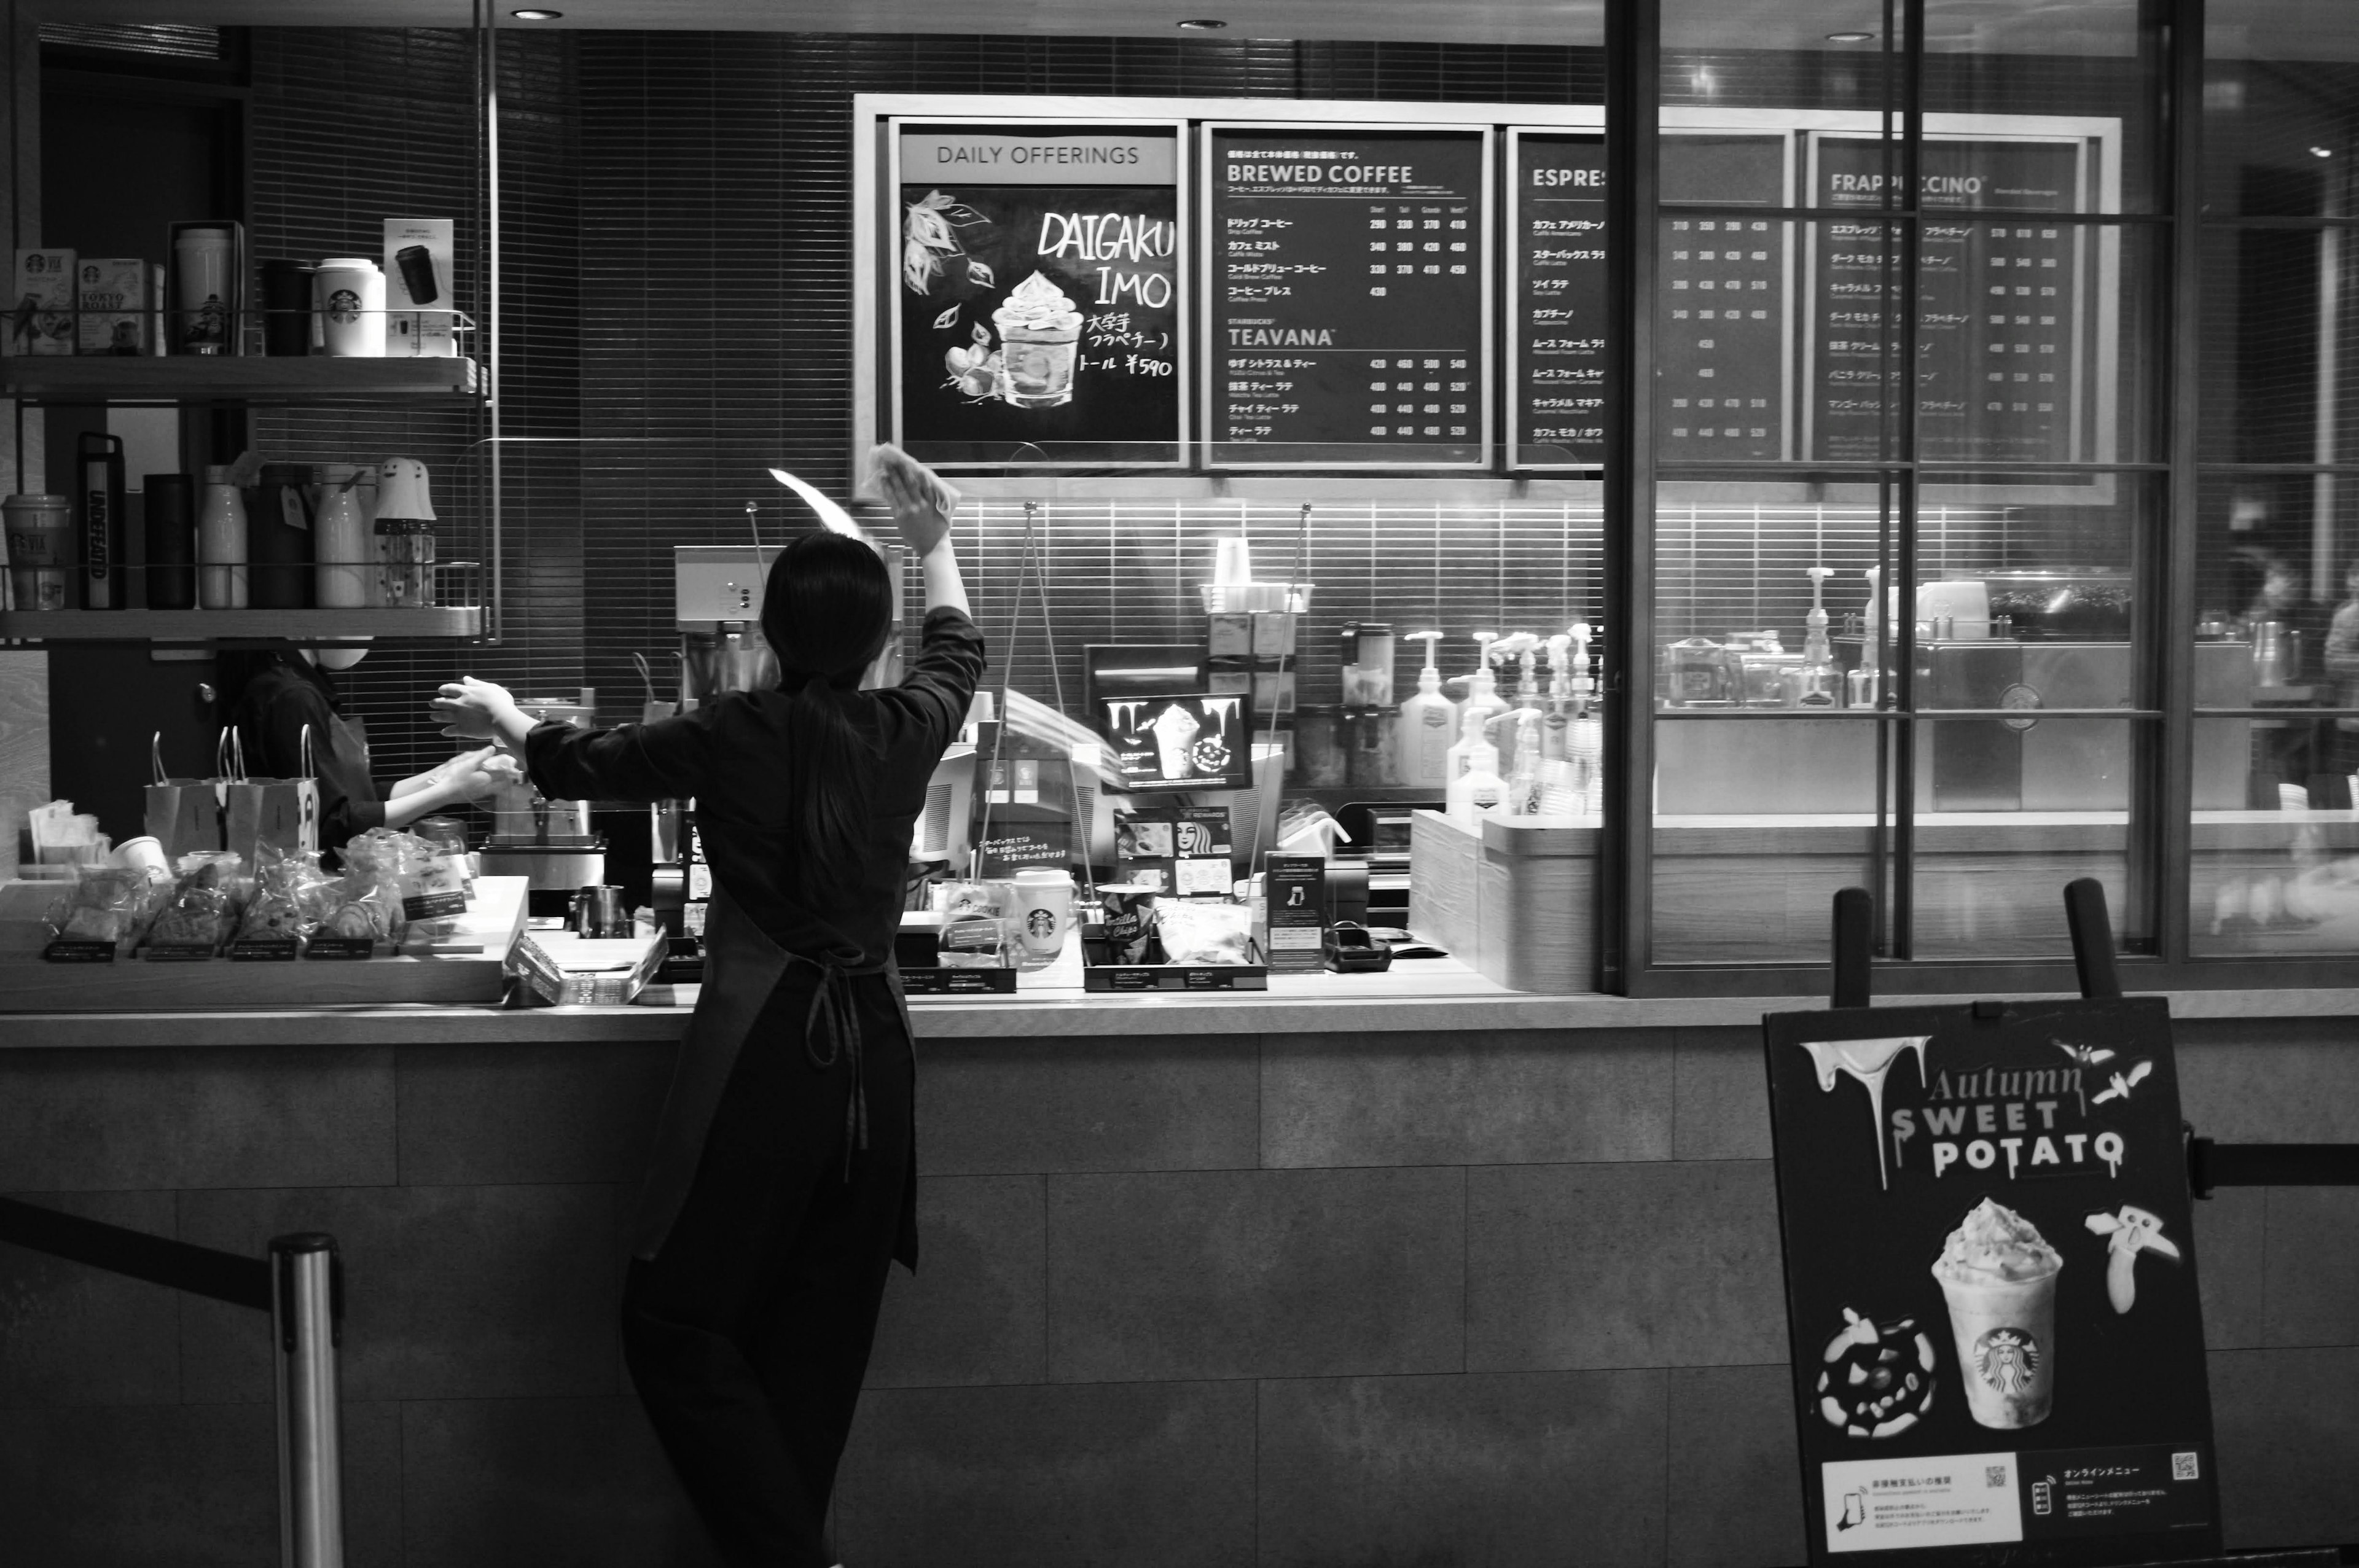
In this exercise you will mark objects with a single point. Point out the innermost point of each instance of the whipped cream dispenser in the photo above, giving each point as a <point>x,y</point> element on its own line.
<point>1423,734</point>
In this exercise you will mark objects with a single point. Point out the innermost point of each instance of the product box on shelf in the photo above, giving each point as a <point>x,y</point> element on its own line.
<point>1100,972</point>
<point>420,320</point>
<point>118,300</point>
<point>41,305</point>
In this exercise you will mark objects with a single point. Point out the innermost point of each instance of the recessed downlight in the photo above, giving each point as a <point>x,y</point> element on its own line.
<point>1851,38</point>
<point>2321,152</point>
<point>536,16</point>
<point>1203,24</point>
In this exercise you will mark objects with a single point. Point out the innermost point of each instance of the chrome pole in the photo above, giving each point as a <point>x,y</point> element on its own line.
<point>306,1301</point>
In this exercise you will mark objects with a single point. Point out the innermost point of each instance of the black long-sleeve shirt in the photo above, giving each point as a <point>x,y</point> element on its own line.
<point>730,755</point>
<point>278,701</point>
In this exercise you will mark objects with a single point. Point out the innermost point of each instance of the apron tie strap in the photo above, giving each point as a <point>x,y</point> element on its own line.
<point>835,1014</point>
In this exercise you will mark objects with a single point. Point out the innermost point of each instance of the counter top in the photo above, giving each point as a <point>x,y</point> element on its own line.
<point>1293,1005</point>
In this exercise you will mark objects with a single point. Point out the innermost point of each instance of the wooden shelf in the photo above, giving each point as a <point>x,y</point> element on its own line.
<point>218,625</point>
<point>208,379</point>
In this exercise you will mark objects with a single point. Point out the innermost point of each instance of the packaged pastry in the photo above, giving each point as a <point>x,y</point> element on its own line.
<point>206,901</point>
<point>292,896</point>
<point>106,904</point>
<point>1200,932</point>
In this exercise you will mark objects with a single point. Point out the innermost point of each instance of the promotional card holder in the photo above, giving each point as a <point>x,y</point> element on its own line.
<point>1986,1220</point>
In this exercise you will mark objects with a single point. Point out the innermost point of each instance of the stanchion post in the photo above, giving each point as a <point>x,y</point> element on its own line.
<point>306,1323</point>
<point>1855,934</point>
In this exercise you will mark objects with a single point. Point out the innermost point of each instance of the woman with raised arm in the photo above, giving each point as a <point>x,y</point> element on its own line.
<point>783,1179</point>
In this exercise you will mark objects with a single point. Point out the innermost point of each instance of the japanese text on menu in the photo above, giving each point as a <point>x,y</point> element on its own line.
<point>1348,321</point>
<point>1999,305</point>
<point>1560,369</point>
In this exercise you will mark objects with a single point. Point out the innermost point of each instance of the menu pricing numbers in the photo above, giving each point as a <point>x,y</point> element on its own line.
<point>1722,372</point>
<point>1556,374</point>
<point>1350,299</point>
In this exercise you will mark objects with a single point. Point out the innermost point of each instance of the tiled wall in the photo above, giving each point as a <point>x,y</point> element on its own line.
<point>1286,1299</point>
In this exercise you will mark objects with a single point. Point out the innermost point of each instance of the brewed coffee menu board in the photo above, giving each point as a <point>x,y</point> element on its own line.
<point>1040,294</point>
<point>2002,296</point>
<point>1720,344</point>
<point>1556,339</point>
<point>1349,310</point>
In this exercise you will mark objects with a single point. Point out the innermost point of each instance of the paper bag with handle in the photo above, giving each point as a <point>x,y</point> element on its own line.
<point>282,813</point>
<point>182,814</point>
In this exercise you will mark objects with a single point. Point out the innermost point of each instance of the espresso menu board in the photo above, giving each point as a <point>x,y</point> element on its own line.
<point>1721,373</point>
<point>1556,339</point>
<point>1040,296</point>
<point>1349,311</point>
<point>1991,1289</point>
<point>2002,302</point>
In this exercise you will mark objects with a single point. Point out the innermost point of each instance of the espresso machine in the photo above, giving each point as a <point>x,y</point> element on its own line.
<point>550,843</point>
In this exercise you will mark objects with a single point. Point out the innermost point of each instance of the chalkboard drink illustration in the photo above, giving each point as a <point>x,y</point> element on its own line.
<point>2003,305</point>
<point>1349,297</point>
<point>1990,1284</point>
<point>1040,306</point>
<point>1556,378</point>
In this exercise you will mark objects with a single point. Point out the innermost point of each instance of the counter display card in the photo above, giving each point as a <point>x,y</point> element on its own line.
<point>1722,343</point>
<point>1185,740</point>
<point>1556,339</point>
<point>2002,301</point>
<point>1348,271</point>
<point>1040,301</point>
<point>1990,1284</point>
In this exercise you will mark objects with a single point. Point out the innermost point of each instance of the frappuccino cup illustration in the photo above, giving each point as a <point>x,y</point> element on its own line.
<point>1038,329</point>
<point>1173,728</point>
<point>1999,1279</point>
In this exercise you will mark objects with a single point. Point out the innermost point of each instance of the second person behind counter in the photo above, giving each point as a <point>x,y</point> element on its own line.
<point>274,695</point>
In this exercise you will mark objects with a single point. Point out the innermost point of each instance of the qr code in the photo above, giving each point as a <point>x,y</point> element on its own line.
<point>2182,1467</point>
<point>1996,1474</point>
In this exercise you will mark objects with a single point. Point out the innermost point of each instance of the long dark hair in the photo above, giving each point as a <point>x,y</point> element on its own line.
<point>826,609</point>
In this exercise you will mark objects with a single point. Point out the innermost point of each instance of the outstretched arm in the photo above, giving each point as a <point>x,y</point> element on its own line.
<point>921,505</point>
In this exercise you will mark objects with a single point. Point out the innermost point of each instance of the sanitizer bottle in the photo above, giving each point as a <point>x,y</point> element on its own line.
<point>1422,739</point>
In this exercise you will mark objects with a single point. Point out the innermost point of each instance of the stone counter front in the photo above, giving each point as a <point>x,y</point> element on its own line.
<point>1275,1295</point>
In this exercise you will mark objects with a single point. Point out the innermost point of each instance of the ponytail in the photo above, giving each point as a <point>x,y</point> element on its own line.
<point>826,609</point>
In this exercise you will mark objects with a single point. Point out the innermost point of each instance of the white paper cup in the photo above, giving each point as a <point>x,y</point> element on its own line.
<point>2005,1336</point>
<point>351,295</point>
<point>144,853</point>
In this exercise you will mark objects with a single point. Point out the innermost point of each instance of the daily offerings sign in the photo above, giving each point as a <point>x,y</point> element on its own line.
<point>1990,1284</point>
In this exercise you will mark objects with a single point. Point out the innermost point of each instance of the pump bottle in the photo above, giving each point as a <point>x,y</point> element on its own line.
<point>1817,681</point>
<point>1586,736</point>
<point>1478,792</point>
<point>1482,697</point>
<point>1422,739</point>
<point>1523,798</point>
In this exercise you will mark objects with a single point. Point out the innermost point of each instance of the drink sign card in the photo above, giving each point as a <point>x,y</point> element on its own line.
<point>1990,1284</point>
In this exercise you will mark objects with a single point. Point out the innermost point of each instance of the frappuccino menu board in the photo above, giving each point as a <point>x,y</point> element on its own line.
<point>1040,291</point>
<point>1998,1346</point>
<point>1348,319</point>
<point>2001,300</point>
<point>1556,340</point>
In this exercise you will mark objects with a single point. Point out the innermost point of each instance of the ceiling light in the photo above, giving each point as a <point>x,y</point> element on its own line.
<point>536,16</point>
<point>2321,152</point>
<point>1851,38</point>
<point>1203,24</point>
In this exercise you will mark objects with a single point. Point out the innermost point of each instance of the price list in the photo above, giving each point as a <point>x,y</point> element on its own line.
<point>1720,383</point>
<point>2001,301</point>
<point>1349,319</point>
<point>1556,374</point>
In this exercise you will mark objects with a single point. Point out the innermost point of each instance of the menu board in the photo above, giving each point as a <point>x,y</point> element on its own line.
<point>1990,1286</point>
<point>1041,304</point>
<point>1721,345</point>
<point>1348,270</point>
<point>1555,337</point>
<point>2002,303</point>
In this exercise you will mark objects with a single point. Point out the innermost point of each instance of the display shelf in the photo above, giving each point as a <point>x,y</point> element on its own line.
<point>225,379</point>
<point>441,621</point>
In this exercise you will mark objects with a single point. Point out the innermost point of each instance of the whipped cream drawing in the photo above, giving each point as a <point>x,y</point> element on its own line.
<point>1993,1243</point>
<point>1036,305</point>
